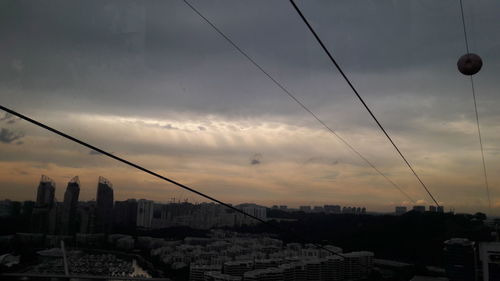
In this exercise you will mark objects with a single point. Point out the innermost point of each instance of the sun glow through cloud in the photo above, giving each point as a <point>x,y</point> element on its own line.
<point>161,89</point>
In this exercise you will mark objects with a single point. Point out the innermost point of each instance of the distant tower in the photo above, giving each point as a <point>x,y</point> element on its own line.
<point>420,209</point>
<point>145,210</point>
<point>400,210</point>
<point>125,214</point>
<point>45,193</point>
<point>70,206</point>
<point>104,208</point>
<point>44,203</point>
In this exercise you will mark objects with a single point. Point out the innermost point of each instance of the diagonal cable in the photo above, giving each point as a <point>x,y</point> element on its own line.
<point>289,94</point>
<point>475,109</point>
<point>361,100</point>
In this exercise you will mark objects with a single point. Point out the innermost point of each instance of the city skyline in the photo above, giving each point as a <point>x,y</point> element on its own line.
<point>153,83</point>
<point>105,190</point>
<point>290,140</point>
<point>72,191</point>
<point>220,247</point>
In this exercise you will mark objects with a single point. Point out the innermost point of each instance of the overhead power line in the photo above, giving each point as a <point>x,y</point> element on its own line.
<point>475,110</point>
<point>147,171</point>
<point>295,99</point>
<point>361,99</point>
<point>464,28</point>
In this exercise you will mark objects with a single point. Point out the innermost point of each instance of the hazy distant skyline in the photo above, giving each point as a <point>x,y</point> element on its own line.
<point>152,82</point>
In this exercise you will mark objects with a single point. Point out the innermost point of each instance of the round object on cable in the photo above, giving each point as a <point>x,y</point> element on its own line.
<point>469,64</point>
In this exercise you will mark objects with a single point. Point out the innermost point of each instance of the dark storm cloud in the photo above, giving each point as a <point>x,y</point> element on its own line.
<point>8,136</point>
<point>149,58</point>
<point>153,56</point>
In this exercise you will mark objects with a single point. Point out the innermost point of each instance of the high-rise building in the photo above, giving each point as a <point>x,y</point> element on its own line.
<point>332,209</point>
<point>358,265</point>
<point>70,206</point>
<point>460,259</point>
<point>318,209</point>
<point>145,210</point>
<point>251,209</point>
<point>353,210</point>
<point>55,216</point>
<point>6,208</point>
<point>400,210</point>
<point>27,208</point>
<point>440,209</point>
<point>125,214</point>
<point>489,254</point>
<point>104,208</point>
<point>44,203</point>
<point>87,215</point>
<point>45,193</point>
<point>419,209</point>
<point>432,209</point>
<point>305,208</point>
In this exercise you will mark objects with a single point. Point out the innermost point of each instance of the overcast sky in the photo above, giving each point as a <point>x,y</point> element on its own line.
<point>152,82</point>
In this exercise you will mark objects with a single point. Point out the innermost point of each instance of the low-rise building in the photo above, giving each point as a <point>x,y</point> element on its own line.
<point>217,276</point>
<point>358,265</point>
<point>237,268</point>
<point>197,272</point>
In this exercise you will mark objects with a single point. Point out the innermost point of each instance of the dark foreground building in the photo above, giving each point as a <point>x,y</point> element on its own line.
<point>460,259</point>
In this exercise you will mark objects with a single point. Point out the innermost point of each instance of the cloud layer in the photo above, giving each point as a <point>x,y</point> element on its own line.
<point>151,81</point>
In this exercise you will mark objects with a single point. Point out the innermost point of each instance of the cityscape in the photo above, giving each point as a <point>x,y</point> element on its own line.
<point>227,140</point>
<point>110,239</point>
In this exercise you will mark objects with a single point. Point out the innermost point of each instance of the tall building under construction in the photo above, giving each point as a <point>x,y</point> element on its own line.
<point>104,208</point>
<point>70,205</point>
<point>43,205</point>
